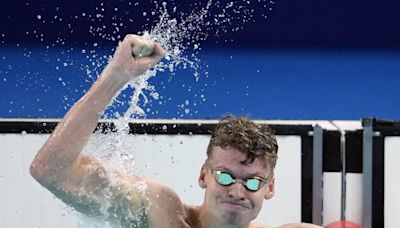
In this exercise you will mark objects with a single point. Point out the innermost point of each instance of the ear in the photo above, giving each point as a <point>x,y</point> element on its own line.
<point>202,177</point>
<point>270,189</point>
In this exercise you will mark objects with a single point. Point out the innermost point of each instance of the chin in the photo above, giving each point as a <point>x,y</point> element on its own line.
<point>234,218</point>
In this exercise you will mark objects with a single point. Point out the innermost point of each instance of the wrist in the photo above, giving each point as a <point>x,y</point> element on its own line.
<point>115,76</point>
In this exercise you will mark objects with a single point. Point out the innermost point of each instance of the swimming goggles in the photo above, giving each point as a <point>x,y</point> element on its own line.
<point>252,184</point>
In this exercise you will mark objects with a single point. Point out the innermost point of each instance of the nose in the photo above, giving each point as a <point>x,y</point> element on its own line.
<point>236,191</point>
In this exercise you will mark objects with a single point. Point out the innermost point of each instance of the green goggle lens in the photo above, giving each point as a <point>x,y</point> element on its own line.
<point>253,184</point>
<point>225,179</point>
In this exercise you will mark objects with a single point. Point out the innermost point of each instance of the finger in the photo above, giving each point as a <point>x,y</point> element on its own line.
<point>133,44</point>
<point>124,47</point>
<point>148,48</point>
<point>131,38</point>
<point>137,50</point>
<point>143,48</point>
<point>158,52</point>
<point>151,61</point>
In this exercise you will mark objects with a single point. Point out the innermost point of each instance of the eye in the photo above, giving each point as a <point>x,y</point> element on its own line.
<point>225,178</point>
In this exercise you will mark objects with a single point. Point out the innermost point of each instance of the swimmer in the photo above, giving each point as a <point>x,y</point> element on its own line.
<point>237,175</point>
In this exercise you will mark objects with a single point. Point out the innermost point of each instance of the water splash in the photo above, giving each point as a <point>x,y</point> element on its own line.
<point>184,34</point>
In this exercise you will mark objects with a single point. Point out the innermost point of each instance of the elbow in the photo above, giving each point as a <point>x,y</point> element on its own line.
<point>40,173</point>
<point>35,171</point>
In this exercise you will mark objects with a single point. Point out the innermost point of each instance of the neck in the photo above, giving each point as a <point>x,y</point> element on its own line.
<point>207,220</point>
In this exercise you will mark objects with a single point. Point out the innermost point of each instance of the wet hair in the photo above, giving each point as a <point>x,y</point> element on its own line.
<point>257,141</point>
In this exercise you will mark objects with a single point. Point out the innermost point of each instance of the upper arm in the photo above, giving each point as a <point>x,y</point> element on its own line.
<point>92,189</point>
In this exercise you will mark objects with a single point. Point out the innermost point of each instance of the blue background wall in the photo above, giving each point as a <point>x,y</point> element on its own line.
<point>308,60</point>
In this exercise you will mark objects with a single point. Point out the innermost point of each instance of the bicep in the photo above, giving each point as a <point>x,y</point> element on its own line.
<point>86,176</point>
<point>90,188</point>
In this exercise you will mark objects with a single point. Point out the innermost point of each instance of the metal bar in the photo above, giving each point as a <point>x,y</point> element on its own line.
<point>367,173</point>
<point>344,192</point>
<point>317,209</point>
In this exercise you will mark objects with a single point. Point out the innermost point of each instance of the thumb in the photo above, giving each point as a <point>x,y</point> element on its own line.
<point>158,52</point>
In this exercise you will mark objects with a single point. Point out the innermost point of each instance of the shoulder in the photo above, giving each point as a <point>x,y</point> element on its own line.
<point>158,191</point>
<point>159,203</point>
<point>165,208</point>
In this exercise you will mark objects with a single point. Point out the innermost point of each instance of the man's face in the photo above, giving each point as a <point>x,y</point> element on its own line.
<point>233,204</point>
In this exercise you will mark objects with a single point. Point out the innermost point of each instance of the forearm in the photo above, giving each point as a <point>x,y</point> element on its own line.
<point>72,134</point>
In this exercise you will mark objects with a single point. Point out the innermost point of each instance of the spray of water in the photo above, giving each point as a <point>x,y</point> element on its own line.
<point>177,35</point>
